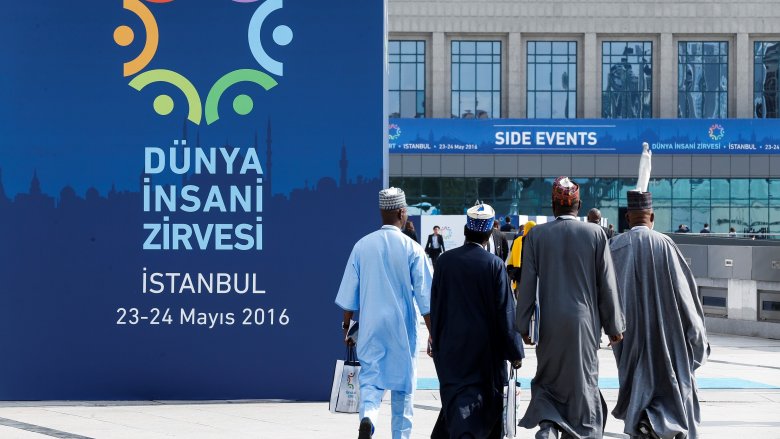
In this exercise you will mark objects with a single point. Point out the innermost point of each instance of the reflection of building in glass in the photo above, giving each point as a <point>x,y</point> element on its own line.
<point>748,205</point>
<point>766,69</point>
<point>476,79</point>
<point>703,77</point>
<point>627,79</point>
<point>552,79</point>
<point>407,78</point>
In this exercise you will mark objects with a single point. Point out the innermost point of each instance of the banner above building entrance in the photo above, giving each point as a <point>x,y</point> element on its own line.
<point>583,136</point>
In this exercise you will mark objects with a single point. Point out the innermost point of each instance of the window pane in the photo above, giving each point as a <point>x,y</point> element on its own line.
<point>484,76</point>
<point>407,75</point>
<point>681,188</point>
<point>552,68</point>
<point>468,79</point>
<point>476,78</point>
<point>408,47</point>
<point>420,104</point>
<point>408,104</point>
<point>624,77</point>
<point>395,104</point>
<point>759,188</point>
<point>703,80</point>
<point>700,215</point>
<point>740,188</point>
<point>766,76</point>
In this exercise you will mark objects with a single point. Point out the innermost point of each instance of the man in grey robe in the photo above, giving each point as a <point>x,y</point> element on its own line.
<point>577,297</point>
<point>665,340</point>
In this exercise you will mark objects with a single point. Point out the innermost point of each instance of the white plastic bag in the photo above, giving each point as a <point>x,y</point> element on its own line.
<point>511,402</point>
<point>345,392</point>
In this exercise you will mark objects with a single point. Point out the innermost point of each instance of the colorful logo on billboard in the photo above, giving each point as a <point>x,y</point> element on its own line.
<point>164,104</point>
<point>716,132</point>
<point>394,131</point>
<point>446,232</point>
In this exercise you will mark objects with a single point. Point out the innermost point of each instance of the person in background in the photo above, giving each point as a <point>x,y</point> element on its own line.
<point>497,243</point>
<point>435,245</point>
<point>570,262</point>
<point>732,232</point>
<point>507,226</point>
<point>594,217</point>
<point>683,229</point>
<point>706,228</point>
<point>473,334</point>
<point>665,340</point>
<point>409,231</point>
<point>611,228</point>
<point>385,275</point>
<point>515,262</point>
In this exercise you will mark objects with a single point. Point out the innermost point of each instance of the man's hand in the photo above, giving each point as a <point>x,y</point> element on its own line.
<point>517,364</point>
<point>527,340</point>
<point>430,347</point>
<point>615,339</point>
<point>348,341</point>
<point>346,321</point>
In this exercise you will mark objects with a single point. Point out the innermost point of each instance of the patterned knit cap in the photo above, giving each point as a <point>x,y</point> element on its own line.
<point>480,217</point>
<point>392,198</point>
<point>639,200</point>
<point>565,192</point>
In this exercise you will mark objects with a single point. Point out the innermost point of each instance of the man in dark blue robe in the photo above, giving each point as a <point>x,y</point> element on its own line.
<point>473,336</point>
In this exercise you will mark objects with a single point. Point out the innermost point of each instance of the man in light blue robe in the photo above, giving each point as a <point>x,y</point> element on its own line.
<point>386,273</point>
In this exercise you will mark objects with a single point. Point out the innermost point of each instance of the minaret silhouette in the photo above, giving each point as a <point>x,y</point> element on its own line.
<point>268,163</point>
<point>3,198</point>
<point>343,165</point>
<point>35,185</point>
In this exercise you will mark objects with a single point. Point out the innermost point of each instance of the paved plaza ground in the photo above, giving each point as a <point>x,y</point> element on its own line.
<point>740,395</point>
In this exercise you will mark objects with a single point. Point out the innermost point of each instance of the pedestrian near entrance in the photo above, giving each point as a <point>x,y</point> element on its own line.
<point>409,231</point>
<point>507,226</point>
<point>665,341</point>
<point>435,245</point>
<point>515,262</point>
<point>497,243</point>
<point>578,296</point>
<point>473,334</point>
<point>594,217</point>
<point>385,275</point>
<point>706,228</point>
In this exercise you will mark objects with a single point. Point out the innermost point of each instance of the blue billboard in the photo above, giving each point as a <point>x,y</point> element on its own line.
<point>163,169</point>
<point>583,136</point>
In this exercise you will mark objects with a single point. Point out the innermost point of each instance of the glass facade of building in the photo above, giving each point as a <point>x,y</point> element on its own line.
<point>766,74</point>
<point>551,80</point>
<point>476,79</point>
<point>407,78</point>
<point>751,206</point>
<point>626,79</point>
<point>703,79</point>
